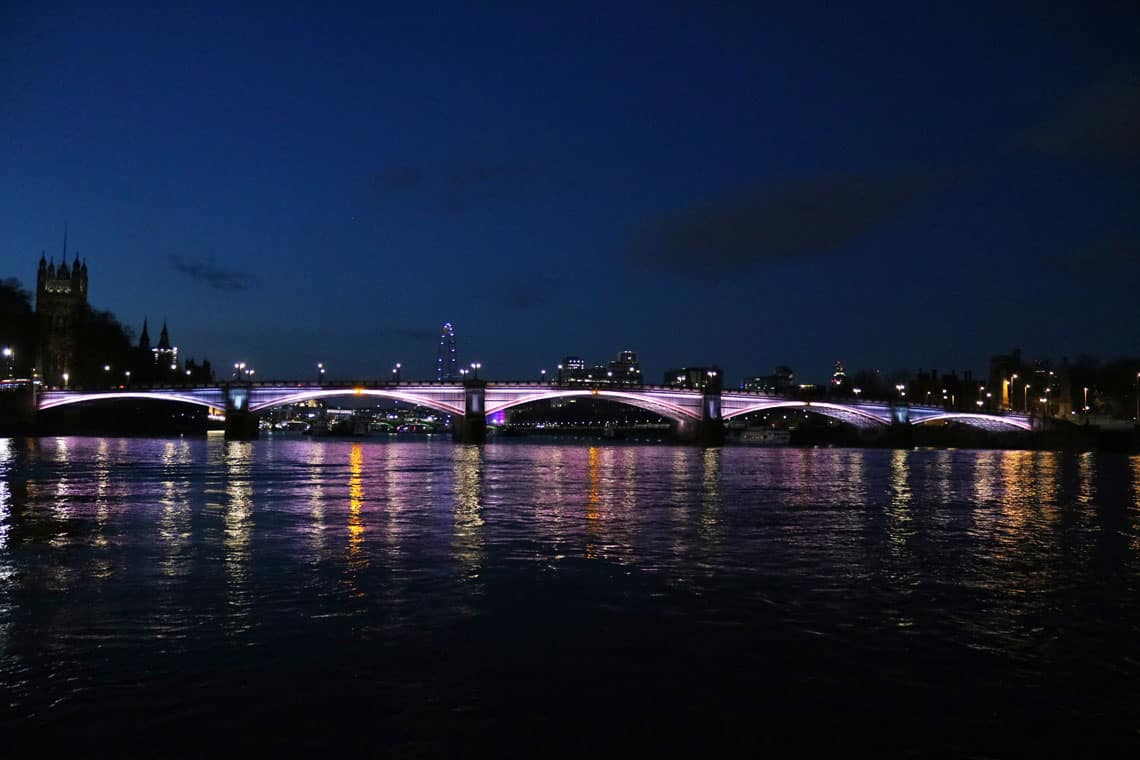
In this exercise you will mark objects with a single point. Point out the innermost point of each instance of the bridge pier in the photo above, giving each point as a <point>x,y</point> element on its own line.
<point>709,429</point>
<point>17,407</point>
<point>472,426</point>
<point>241,423</point>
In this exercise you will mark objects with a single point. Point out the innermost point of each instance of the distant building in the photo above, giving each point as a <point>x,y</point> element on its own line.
<point>780,381</point>
<point>61,302</point>
<point>695,378</point>
<point>446,357</point>
<point>165,355</point>
<point>572,370</point>
<point>625,370</point>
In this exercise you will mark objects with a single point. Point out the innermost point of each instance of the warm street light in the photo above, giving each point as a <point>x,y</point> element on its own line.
<point>1025,398</point>
<point>65,379</point>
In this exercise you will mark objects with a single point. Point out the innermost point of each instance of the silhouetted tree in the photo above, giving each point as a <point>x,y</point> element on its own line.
<point>17,327</point>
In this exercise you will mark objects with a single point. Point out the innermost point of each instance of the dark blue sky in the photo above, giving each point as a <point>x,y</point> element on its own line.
<point>892,186</point>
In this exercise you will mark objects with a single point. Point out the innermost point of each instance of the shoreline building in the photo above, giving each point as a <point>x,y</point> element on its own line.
<point>61,300</point>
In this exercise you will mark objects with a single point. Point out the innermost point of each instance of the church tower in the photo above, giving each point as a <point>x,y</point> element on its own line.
<point>61,300</point>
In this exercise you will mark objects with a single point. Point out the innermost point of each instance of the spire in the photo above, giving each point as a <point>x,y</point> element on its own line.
<point>164,338</point>
<point>144,339</point>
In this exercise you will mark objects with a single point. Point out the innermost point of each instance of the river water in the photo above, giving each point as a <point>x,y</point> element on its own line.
<point>425,598</point>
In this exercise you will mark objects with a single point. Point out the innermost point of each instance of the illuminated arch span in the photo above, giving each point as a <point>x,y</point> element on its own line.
<point>410,398</point>
<point>851,415</point>
<point>983,421</point>
<point>54,401</point>
<point>641,401</point>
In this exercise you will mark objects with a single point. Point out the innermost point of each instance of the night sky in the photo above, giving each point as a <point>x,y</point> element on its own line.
<point>894,186</point>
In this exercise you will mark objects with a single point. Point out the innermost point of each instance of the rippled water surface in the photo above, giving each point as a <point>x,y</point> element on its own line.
<point>424,598</point>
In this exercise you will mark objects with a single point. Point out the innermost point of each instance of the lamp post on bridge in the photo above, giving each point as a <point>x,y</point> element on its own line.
<point>9,357</point>
<point>475,367</point>
<point>542,376</point>
<point>320,373</point>
<point>66,377</point>
<point>396,371</point>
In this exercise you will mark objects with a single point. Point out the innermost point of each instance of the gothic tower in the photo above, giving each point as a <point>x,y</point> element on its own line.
<point>61,300</point>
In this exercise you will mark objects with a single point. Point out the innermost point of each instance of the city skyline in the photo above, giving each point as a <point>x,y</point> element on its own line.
<point>700,187</point>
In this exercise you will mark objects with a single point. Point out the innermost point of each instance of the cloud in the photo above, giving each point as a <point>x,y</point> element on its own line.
<point>522,294</point>
<point>455,187</point>
<point>216,277</point>
<point>1102,123</point>
<point>715,239</point>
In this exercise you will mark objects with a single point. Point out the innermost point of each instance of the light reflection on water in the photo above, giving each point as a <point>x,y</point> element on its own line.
<point>546,561</point>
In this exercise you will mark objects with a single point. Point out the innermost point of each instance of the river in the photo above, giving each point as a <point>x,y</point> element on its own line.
<point>422,598</point>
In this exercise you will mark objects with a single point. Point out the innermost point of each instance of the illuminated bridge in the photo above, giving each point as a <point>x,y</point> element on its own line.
<point>700,415</point>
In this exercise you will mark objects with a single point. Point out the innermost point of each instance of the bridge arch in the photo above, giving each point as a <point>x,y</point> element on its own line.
<point>55,400</point>
<point>990,422</point>
<point>667,409</point>
<point>850,415</point>
<point>394,395</point>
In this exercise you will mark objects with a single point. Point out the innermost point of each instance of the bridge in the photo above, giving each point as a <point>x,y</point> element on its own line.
<point>700,414</point>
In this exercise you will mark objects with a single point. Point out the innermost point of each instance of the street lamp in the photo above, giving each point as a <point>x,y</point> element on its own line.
<point>10,356</point>
<point>1086,405</point>
<point>396,371</point>
<point>65,379</point>
<point>1009,395</point>
<point>127,374</point>
<point>542,376</point>
<point>1025,398</point>
<point>320,372</point>
<point>475,367</point>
